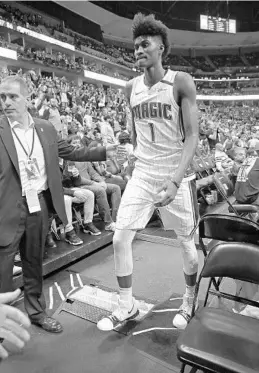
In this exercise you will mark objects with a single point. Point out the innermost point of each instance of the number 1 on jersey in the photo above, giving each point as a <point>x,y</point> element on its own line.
<point>152,130</point>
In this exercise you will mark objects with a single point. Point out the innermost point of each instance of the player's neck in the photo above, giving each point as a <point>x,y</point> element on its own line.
<point>153,75</point>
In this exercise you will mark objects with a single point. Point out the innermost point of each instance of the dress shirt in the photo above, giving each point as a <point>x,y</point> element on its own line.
<point>26,138</point>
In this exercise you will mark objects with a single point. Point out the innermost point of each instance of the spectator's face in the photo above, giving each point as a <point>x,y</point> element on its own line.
<point>76,143</point>
<point>13,100</point>
<point>98,136</point>
<point>240,155</point>
<point>53,102</point>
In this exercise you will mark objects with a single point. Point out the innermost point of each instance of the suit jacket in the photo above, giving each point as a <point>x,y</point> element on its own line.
<point>10,183</point>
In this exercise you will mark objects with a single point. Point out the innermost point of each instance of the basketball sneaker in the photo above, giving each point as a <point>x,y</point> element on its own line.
<point>183,316</point>
<point>118,317</point>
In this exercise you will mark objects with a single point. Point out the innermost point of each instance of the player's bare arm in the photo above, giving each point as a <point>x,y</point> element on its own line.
<point>127,92</point>
<point>186,97</point>
<point>185,93</point>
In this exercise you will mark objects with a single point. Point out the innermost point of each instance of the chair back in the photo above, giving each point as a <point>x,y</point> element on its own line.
<point>229,228</point>
<point>198,165</point>
<point>236,260</point>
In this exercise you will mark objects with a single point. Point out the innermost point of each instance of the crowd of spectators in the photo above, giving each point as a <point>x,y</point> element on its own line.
<point>234,125</point>
<point>118,54</point>
<point>94,115</point>
<point>253,58</point>
<point>226,60</point>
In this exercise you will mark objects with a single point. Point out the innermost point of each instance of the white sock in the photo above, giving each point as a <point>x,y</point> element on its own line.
<point>190,290</point>
<point>125,295</point>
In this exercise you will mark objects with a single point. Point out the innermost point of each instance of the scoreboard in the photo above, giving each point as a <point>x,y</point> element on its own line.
<point>217,24</point>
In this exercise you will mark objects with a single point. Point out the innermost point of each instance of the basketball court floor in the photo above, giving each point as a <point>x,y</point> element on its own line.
<point>81,347</point>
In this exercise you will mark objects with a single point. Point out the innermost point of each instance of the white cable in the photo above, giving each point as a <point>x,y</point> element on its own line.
<point>50,297</point>
<point>60,291</point>
<point>175,298</point>
<point>70,292</point>
<point>150,329</point>
<point>79,280</point>
<point>166,310</point>
<point>72,281</point>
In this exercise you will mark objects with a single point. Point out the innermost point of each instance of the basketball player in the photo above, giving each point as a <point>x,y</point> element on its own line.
<point>165,137</point>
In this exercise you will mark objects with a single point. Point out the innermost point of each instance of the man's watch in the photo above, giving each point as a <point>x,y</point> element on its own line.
<point>175,183</point>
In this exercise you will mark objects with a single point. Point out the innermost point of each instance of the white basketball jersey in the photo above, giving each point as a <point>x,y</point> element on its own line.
<point>159,129</point>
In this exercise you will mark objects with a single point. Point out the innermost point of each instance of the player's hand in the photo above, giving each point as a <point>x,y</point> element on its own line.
<point>79,194</point>
<point>13,323</point>
<point>170,192</point>
<point>111,150</point>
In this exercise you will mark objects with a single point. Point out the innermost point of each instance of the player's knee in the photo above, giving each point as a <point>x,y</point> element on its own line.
<point>121,239</point>
<point>117,240</point>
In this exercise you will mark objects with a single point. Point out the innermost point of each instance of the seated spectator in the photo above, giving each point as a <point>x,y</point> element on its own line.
<point>247,184</point>
<point>77,195</point>
<point>125,149</point>
<point>239,158</point>
<point>109,177</point>
<point>223,162</point>
<point>91,180</point>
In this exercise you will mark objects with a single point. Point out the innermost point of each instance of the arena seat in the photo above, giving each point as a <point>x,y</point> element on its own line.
<point>217,340</point>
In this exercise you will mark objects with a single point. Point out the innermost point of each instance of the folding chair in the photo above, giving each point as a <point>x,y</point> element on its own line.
<point>228,228</point>
<point>217,340</point>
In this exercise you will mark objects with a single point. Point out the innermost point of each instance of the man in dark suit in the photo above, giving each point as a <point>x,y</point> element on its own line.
<point>30,186</point>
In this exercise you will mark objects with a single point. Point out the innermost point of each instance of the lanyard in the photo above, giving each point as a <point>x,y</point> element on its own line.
<point>32,147</point>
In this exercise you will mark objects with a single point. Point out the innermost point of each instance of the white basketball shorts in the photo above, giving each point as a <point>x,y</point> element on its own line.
<point>137,206</point>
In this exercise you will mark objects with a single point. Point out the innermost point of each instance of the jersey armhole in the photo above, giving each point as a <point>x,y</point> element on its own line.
<point>172,84</point>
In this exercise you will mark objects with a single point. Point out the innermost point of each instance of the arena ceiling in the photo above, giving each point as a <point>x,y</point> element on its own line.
<point>185,15</point>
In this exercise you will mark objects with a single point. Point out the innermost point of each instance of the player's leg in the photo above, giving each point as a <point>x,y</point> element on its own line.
<point>184,210</point>
<point>190,269</point>
<point>135,210</point>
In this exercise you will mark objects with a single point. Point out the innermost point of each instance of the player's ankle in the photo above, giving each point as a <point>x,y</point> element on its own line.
<point>125,297</point>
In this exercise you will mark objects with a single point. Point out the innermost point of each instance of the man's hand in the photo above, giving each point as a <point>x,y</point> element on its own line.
<point>79,194</point>
<point>75,172</point>
<point>111,150</point>
<point>13,323</point>
<point>170,192</point>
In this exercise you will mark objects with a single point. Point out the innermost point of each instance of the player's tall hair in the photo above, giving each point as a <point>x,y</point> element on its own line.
<point>149,26</point>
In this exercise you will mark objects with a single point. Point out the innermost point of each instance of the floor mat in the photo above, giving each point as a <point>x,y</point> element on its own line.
<point>160,343</point>
<point>93,301</point>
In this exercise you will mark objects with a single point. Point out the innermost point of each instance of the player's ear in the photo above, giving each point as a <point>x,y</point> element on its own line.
<point>162,48</point>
